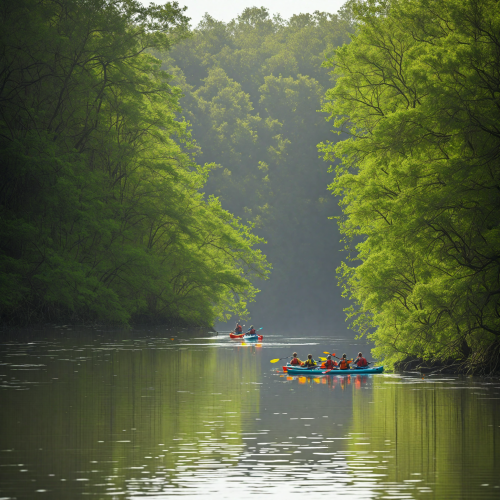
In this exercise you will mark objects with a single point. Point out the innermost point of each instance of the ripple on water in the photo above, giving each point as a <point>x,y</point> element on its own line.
<point>201,431</point>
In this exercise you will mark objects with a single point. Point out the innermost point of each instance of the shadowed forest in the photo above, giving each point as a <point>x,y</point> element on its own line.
<point>154,172</point>
<point>252,91</point>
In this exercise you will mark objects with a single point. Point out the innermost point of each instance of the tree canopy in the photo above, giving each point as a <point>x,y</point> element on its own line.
<point>418,91</point>
<point>252,90</point>
<point>102,211</point>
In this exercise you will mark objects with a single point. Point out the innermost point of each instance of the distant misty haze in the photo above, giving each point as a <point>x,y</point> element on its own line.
<point>225,10</point>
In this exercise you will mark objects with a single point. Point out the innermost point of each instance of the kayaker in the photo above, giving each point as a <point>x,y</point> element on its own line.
<point>295,361</point>
<point>344,362</point>
<point>238,329</point>
<point>360,362</point>
<point>330,363</point>
<point>309,362</point>
<point>251,331</point>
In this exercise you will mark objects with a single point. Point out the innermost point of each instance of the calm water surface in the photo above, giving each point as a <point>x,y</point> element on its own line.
<point>162,413</point>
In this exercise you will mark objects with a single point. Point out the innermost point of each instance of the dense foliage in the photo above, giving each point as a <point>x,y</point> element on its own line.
<point>253,88</point>
<point>418,90</point>
<point>101,210</point>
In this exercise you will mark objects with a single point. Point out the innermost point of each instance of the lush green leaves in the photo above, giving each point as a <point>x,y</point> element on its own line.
<point>252,89</point>
<point>101,214</point>
<point>418,90</point>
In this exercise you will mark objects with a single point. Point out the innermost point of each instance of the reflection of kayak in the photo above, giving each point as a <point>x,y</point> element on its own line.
<point>321,371</point>
<point>243,336</point>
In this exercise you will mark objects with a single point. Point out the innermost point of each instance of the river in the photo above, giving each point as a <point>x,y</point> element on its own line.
<point>158,412</point>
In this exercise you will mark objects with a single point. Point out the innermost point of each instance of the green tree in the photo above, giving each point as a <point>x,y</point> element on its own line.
<point>252,88</point>
<point>102,215</point>
<point>417,89</point>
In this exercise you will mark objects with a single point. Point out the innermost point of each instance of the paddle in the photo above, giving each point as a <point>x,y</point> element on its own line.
<point>279,359</point>
<point>324,359</point>
<point>331,354</point>
<point>256,330</point>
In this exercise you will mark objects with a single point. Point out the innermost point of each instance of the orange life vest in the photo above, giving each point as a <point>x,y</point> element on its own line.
<point>344,364</point>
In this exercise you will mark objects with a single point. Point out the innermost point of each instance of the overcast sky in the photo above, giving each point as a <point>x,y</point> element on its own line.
<point>225,10</point>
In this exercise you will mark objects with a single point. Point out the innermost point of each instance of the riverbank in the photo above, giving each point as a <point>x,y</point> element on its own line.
<point>449,366</point>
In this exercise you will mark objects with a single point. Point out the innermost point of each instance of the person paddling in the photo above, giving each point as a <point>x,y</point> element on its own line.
<point>360,361</point>
<point>344,362</point>
<point>238,329</point>
<point>295,361</point>
<point>251,331</point>
<point>309,362</point>
<point>329,364</point>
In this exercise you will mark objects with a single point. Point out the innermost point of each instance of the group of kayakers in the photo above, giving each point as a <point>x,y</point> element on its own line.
<point>238,329</point>
<point>329,364</point>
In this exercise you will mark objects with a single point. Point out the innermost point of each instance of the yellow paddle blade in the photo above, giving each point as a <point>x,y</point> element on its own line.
<point>274,360</point>
<point>322,359</point>
<point>324,352</point>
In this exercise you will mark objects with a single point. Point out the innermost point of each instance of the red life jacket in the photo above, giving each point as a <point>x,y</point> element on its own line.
<point>238,329</point>
<point>252,332</point>
<point>329,364</point>
<point>362,362</point>
<point>295,361</point>
<point>344,365</point>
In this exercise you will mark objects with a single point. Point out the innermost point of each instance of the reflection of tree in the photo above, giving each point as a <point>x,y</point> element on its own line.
<point>418,179</point>
<point>136,410</point>
<point>432,432</point>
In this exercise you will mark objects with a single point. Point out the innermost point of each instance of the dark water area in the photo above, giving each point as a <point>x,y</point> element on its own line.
<point>160,413</point>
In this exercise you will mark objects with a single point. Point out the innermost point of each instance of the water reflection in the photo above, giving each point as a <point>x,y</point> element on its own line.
<point>439,435</point>
<point>132,415</point>
<point>340,381</point>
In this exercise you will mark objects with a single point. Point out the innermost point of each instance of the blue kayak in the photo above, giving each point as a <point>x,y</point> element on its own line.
<point>336,371</point>
<point>252,337</point>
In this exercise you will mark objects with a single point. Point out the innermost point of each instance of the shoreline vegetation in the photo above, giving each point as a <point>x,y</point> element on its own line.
<point>418,91</point>
<point>144,167</point>
<point>103,214</point>
<point>240,99</point>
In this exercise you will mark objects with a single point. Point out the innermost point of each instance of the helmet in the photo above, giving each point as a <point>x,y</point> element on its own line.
<point>329,356</point>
